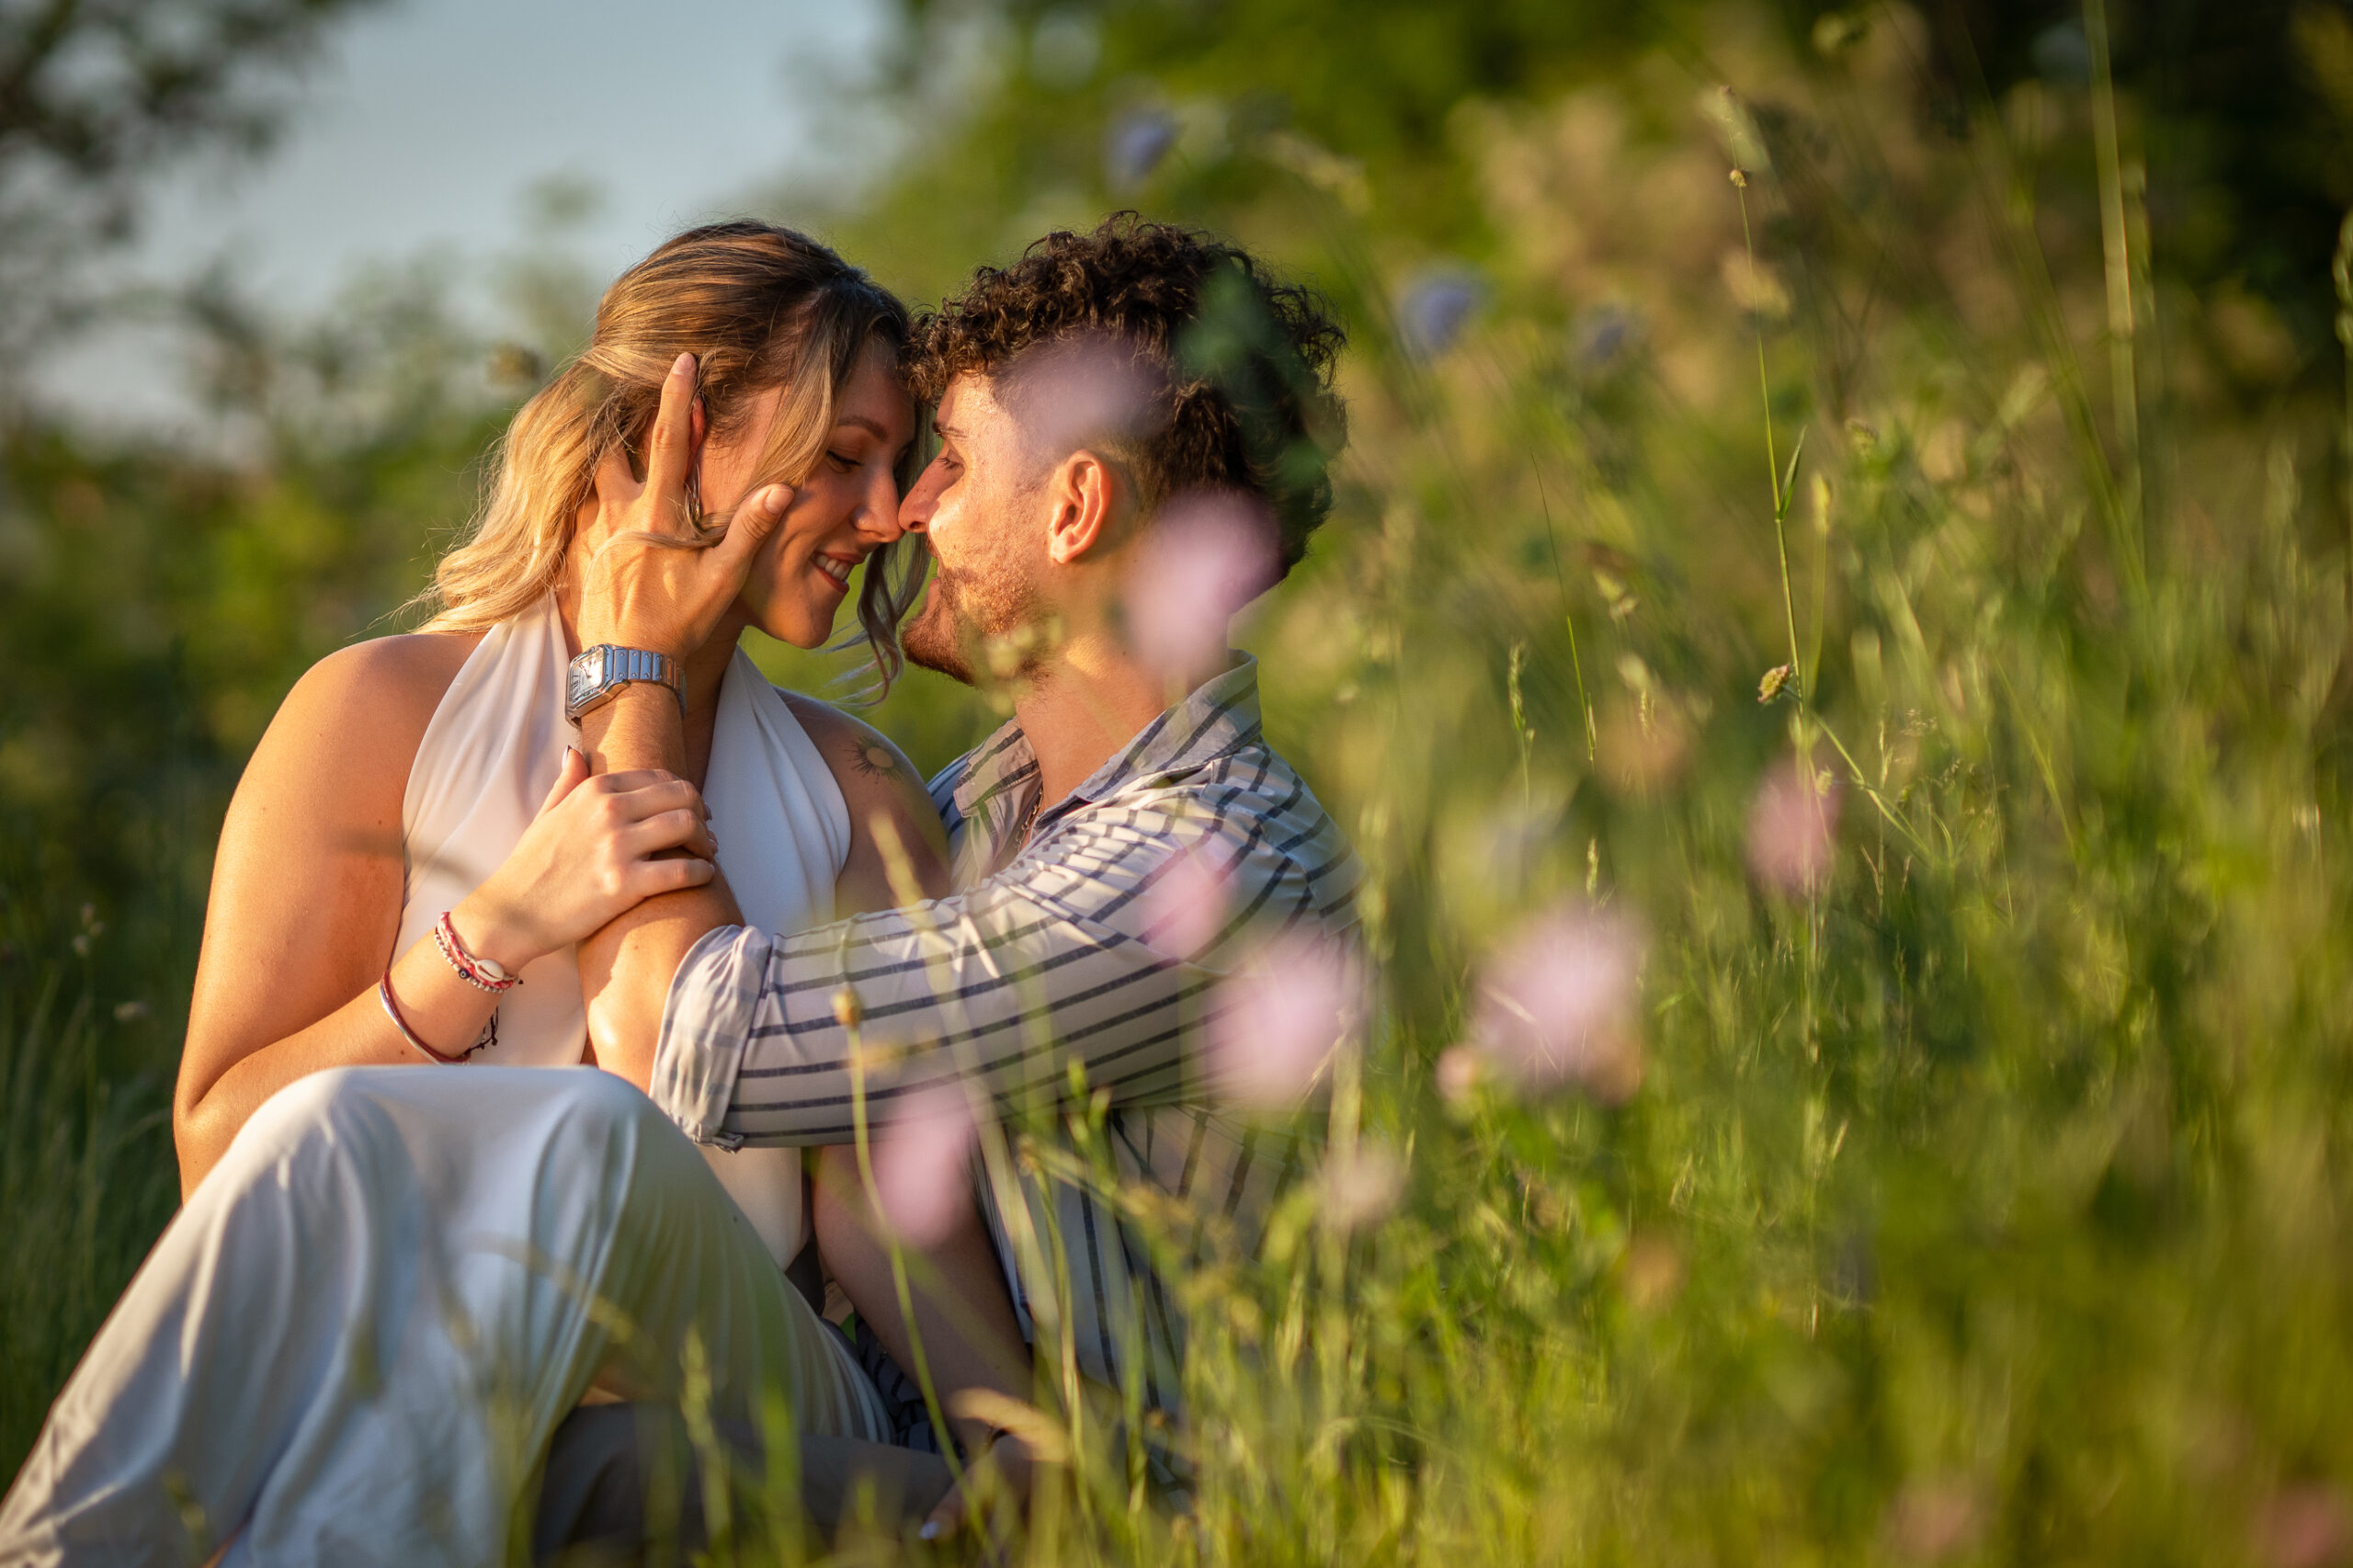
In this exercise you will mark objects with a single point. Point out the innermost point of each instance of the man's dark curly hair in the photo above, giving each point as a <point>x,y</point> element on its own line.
<point>1236,365</point>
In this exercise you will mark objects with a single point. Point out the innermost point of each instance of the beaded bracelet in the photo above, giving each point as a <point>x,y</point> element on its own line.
<point>393,1011</point>
<point>481,974</point>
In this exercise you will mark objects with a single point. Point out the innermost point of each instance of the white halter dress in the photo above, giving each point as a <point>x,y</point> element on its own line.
<point>489,758</point>
<point>353,1343</point>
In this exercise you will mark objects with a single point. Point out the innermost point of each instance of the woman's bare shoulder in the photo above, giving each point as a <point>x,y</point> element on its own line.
<point>356,717</point>
<point>850,743</point>
<point>398,670</point>
<point>384,679</point>
<point>874,774</point>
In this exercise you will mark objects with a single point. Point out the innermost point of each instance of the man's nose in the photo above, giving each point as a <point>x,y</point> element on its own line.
<point>915,512</point>
<point>878,517</point>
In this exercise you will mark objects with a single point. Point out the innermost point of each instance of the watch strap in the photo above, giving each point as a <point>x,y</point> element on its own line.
<point>596,674</point>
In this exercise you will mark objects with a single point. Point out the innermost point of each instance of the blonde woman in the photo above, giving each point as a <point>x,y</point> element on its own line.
<point>352,1343</point>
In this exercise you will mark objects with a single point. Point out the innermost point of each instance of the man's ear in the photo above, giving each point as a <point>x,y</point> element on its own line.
<point>1087,491</point>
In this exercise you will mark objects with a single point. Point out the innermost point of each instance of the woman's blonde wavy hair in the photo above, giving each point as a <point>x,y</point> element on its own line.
<point>759,307</point>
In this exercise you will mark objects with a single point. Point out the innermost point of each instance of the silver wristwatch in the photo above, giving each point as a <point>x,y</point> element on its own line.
<point>596,674</point>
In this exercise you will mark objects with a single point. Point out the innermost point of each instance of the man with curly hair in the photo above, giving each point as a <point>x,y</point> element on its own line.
<point>1135,428</point>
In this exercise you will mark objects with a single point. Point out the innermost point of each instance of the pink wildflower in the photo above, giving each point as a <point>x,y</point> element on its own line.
<point>1460,1073</point>
<point>1205,557</point>
<point>2304,1526</point>
<point>923,1162</point>
<point>1932,1521</point>
<point>1558,1004</point>
<point>1185,905</point>
<point>1088,389</point>
<point>1792,825</point>
<point>1361,1187</point>
<point>1276,1022</point>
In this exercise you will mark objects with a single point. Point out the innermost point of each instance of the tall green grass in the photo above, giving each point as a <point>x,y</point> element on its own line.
<point>87,1180</point>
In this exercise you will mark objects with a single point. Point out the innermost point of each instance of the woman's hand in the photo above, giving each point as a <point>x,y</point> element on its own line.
<point>599,846</point>
<point>658,583</point>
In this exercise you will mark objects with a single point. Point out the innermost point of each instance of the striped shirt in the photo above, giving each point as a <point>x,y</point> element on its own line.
<point>1077,952</point>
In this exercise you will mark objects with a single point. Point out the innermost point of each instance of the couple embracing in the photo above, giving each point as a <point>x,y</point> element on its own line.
<point>418,1293</point>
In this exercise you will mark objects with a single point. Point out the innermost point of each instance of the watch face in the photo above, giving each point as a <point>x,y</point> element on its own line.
<point>588,674</point>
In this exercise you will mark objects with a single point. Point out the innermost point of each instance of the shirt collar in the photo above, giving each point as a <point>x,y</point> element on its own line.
<point>1002,762</point>
<point>1219,717</point>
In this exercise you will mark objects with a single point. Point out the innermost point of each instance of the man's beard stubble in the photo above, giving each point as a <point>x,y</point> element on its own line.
<point>930,639</point>
<point>964,614</point>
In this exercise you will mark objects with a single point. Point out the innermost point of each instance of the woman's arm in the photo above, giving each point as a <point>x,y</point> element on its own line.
<point>890,814</point>
<point>306,895</point>
<point>307,888</point>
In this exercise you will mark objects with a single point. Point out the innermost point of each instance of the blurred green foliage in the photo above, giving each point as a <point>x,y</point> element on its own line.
<point>1984,1200</point>
<point>96,98</point>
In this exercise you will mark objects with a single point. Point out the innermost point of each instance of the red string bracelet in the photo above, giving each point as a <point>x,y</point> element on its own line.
<point>479,974</point>
<point>393,1011</point>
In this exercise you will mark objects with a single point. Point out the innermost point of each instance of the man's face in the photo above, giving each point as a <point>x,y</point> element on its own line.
<point>978,505</point>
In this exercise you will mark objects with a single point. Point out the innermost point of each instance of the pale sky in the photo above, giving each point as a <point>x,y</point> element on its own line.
<point>425,122</point>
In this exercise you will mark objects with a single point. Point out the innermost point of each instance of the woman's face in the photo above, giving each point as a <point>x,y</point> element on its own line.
<point>840,515</point>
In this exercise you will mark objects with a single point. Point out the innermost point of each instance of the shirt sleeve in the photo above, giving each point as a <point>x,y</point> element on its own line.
<point>1069,956</point>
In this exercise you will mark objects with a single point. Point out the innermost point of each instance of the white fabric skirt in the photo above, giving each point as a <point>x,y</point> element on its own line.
<point>352,1343</point>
